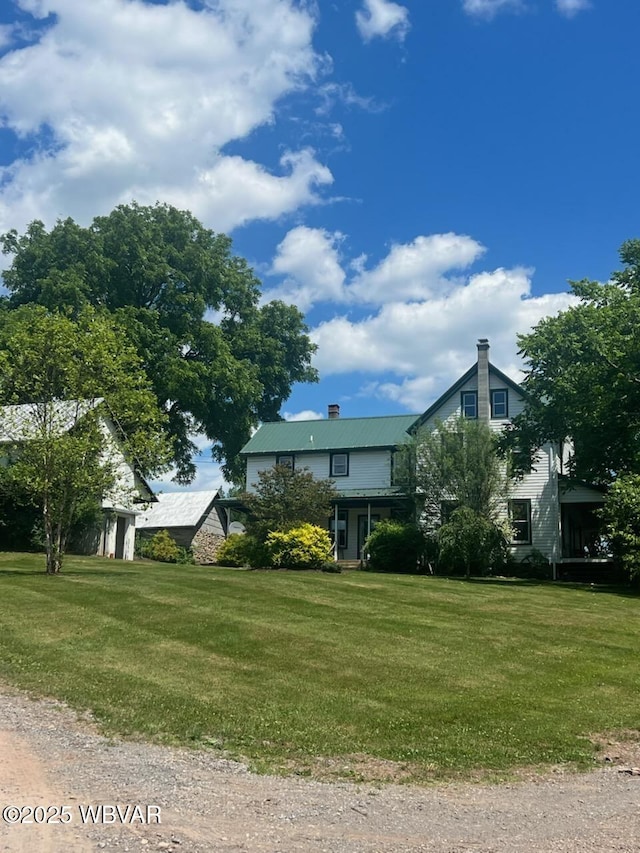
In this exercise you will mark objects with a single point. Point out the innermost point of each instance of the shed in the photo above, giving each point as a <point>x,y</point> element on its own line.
<point>193,519</point>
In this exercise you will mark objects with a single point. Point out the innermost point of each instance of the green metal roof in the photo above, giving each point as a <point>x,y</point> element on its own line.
<point>330,434</point>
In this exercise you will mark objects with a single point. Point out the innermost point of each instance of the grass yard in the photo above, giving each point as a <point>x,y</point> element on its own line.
<point>444,677</point>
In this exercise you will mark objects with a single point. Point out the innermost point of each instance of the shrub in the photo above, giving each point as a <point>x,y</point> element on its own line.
<point>534,566</point>
<point>470,544</point>
<point>242,549</point>
<point>395,547</point>
<point>162,548</point>
<point>232,552</point>
<point>305,547</point>
<point>284,498</point>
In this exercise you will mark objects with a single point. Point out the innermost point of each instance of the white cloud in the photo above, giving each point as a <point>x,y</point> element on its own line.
<point>569,8</point>
<point>415,270</point>
<point>123,98</point>
<point>428,344</point>
<point>489,8</point>
<point>235,190</point>
<point>382,18</point>
<point>344,93</point>
<point>309,260</point>
<point>6,35</point>
<point>305,415</point>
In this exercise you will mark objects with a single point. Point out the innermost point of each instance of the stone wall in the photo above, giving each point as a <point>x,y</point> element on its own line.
<point>205,546</point>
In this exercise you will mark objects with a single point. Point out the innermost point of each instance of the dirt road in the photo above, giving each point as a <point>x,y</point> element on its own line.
<point>50,758</point>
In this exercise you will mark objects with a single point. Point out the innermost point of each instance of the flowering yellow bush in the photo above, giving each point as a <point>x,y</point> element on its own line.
<point>305,547</point>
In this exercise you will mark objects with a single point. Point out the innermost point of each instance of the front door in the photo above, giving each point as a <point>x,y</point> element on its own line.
<point>121,529</point>
<point>363,530</point>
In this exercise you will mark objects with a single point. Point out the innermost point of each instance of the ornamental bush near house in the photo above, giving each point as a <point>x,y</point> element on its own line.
<point>395,547</point>
<point>242,549</point>
<point>233,551</point>
<point>162,548</point>
<point>305,547</point>
<point>471,544</point>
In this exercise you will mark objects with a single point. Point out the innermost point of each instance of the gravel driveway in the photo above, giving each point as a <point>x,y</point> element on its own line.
<point>50,758</point>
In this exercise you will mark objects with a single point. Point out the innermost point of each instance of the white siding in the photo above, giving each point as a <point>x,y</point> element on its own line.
<point>452,408</point>
<point>516,403</point>
<point>368,469</point>
<point>580,494</point>
<point>541,488</point>
<point>212,523</point>
<point>255,464</point>
<point>123,491</point>
<point>108,540</point>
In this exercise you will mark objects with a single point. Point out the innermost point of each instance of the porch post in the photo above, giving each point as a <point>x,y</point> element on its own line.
<point>363,552</point>
<point>555,455</point>
<point>335,534</point>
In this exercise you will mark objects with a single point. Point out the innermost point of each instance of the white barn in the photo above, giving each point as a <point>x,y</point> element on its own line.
<point>130,493</point>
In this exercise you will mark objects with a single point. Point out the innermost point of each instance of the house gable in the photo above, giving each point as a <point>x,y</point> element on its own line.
<point>449,404</point>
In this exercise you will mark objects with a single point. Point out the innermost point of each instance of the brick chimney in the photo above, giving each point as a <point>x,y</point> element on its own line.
<point>333,411</point>
<point>484,408</point>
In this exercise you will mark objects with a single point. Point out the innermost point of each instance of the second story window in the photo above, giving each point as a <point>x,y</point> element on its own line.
<point>286,459</point>
<point>499,403</point>
<point>469,404</point>
<point>339,465</point>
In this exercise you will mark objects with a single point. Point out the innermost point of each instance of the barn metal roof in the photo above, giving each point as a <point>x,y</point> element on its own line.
<point>329,434</point>
<point>27,421</point>
<point>178,509</point>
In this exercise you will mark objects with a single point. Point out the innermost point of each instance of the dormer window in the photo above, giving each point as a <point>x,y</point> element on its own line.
<point>500,404</point>
<point>469,404</point>
<point>339,464</point>
<point>288,460</point>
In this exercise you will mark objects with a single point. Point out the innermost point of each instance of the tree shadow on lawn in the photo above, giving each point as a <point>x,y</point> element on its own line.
<point>65,574</point>
<point>625,590</point>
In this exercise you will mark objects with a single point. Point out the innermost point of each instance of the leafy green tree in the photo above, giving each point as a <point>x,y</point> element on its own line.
<point>621,516</point>
<point>455,464</point>
<point>395,547</point>
<point>286,498</point>
<point>218,361</point>
<point>470,543</point>
<point>459,485</point>
<point>583,378</point>
<point>67,371</point>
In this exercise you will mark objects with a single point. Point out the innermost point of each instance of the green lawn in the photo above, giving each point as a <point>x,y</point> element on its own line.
<point>442,676</point>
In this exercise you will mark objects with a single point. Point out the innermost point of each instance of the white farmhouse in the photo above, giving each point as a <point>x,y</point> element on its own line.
<point>549,512</point>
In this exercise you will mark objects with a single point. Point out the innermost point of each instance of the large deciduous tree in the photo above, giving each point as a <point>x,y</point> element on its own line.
<point>58,377</point>
<point>583,377</point>
<point>219,362</point>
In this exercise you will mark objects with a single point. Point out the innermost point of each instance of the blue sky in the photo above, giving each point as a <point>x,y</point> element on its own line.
<point>414,175</point>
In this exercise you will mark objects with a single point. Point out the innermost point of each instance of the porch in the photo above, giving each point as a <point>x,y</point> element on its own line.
<point>353,519</point>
